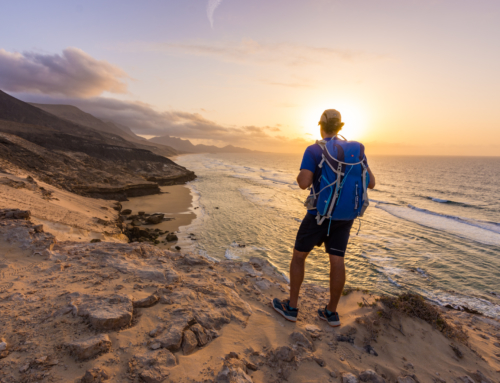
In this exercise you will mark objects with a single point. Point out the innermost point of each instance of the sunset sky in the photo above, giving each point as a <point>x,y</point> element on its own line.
<point>409,77</point>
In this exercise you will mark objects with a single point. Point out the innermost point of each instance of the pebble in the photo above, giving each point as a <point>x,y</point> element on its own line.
<point>312,328</point>
<point>252,367</point>
<point>347,377</point>
<point>155,346</point>
<point>320,362</point>
<point>24,368</point>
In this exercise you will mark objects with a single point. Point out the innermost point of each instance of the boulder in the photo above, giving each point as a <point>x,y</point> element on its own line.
<point>105,313</point>
<point>95,375</point>
<point>371,376</point>
<point>147,302</point>
<point>154,358</point>
<point>171,237</point>
<point>233,371</point>
<point>189,342</point>
<point>153,366</point>
<point>201,335</point>
<point>155,219</point>
<point>88,348</point>
<point>171,339</point>
<point>126,212</point>
<point>347,377</point>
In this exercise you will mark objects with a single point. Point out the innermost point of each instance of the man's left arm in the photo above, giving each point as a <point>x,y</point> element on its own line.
<point>371,184</point>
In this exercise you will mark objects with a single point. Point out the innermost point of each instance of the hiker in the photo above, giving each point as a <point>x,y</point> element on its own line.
<point>337,172</point>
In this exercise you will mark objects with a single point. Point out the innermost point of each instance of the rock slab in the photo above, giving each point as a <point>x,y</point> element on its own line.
<point>88,348</point>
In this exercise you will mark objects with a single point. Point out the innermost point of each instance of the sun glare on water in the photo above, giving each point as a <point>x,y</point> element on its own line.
<point>354,118</point>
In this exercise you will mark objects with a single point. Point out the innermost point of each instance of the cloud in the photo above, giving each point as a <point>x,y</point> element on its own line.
<point>74,73</point>
<point>145,120</point>
<point>287,84</point>
<point>250,51</point>
<point>211,7</point>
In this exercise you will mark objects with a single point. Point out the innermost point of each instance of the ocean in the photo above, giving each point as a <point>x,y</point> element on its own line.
<point>432,227</point>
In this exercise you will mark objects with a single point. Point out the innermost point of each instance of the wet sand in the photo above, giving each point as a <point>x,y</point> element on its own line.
<point>174,201</point>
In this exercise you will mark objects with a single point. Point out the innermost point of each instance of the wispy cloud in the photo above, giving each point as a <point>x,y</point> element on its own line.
<point>211,7</point>
<point>298,84</point>
<point>73,73</point>
<point>249,51</point>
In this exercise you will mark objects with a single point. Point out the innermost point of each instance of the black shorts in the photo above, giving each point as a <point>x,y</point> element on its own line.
<point>311,234</point>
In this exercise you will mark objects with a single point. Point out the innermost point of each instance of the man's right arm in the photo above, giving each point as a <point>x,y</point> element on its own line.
<point>307,169</point>
<point>305,178</point>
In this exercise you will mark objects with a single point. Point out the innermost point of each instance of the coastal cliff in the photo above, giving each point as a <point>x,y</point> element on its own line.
<point>78,158</point>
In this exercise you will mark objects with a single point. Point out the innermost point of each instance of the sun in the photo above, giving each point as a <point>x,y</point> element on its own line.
<point>354,117</point>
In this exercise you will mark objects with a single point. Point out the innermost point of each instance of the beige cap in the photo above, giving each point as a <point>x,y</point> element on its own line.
<point>329,114</point>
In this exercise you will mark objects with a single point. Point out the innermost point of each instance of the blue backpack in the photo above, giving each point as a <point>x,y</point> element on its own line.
<point>344,181</point>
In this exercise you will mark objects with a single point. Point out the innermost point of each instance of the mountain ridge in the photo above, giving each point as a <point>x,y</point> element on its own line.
<point>186,146</point>
<point>76,115</point>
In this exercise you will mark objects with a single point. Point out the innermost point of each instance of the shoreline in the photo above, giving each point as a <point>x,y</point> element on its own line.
<point>175,201</point>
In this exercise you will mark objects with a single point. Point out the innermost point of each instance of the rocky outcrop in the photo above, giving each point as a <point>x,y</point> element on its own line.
<point>18,230</point>
<point>88,348</point>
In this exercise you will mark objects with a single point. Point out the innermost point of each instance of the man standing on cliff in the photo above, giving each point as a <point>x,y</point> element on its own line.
<point>333,233</point>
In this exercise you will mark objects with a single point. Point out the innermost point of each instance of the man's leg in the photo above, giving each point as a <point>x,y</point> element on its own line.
<point>337,281</point>
<point>297,271</point>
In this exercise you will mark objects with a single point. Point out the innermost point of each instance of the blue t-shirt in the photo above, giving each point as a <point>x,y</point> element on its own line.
<point>312,158</point>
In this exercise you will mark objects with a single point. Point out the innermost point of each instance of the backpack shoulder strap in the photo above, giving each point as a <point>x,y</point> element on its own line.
<point>321,143</point>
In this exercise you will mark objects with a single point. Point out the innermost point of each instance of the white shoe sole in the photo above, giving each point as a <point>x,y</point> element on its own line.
<point>331,324</point>
<point>290,319</point>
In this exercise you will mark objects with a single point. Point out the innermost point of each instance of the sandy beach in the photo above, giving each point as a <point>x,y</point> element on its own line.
<point>174,201</point>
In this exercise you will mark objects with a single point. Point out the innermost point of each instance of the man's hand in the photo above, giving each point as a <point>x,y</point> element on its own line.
<point>305,178</point>
<point>371,185</point>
